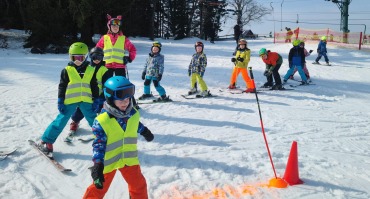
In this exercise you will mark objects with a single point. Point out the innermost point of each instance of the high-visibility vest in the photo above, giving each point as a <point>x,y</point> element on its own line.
<point>121,148</point>
<point>114,53</point>
<point>99,78</point>
<point>79,89</point>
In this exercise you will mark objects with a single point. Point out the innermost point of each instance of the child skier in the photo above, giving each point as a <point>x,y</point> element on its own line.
<point>153,71</point>
<point>196,70</point>
<point>273,63</point>
<point>115,146</point>
<point>118,49</point>
<point>296,59</point>
<point>241,60</point>
<point>306,54</point>
<point>321,51</point>
<point>77,88</point>
<point>96,55</point>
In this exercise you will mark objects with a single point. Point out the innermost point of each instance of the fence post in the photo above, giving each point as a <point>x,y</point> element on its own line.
<point>360,42</point>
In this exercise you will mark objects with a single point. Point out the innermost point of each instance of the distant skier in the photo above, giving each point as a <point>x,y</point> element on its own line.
<point>241,60</point>
<point>322,51</point>
<point>115,148</point>
<point>197,68</point>
<point>77,88</point>
<point>153,71</point>
<point>296,60</point>
<point>273,63</point>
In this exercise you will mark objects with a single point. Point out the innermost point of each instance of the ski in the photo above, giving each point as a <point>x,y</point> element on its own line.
<point>86,139</point>
<point>7,152</point>
<point>317,63</point>
<point>270,89</point>
<point>155,101</point>
<point>197,96</point>
<point>70,137</point>
<point>50,158</point>
<point>301,85</point>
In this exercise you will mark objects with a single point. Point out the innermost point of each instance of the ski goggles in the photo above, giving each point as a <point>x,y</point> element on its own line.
<point>157,45</point>
<point>97,57</point>
<point>123,93</point>
<point>78,57</point>
<point>115,22</point>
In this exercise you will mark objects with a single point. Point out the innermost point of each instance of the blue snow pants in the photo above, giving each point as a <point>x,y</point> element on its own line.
<point>300,71</point>
<point>157,86</point>
<point>56,127</point>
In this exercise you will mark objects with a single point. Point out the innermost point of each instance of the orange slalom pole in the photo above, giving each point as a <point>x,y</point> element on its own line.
<point>276,182</point>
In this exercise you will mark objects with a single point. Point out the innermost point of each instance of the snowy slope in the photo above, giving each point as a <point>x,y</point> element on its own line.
<point>206,148</point>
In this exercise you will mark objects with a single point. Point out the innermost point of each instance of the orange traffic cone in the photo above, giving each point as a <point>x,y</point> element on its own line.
<point>291,175</point>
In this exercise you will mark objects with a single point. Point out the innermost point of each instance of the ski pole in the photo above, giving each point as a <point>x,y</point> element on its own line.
<point>263,129</point>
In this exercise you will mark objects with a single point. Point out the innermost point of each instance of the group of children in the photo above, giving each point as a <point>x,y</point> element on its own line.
<point>100,91</point>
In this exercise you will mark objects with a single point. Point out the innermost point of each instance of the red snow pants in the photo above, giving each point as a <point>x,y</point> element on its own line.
<point>132,175</point>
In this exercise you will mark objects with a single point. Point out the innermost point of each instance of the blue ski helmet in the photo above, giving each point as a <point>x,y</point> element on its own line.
<point>118,88</point>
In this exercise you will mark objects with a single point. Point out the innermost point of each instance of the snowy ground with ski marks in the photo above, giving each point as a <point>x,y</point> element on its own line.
<point>207,147</point>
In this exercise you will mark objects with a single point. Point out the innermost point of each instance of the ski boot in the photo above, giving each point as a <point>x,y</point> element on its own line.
<point>163,98</point>
<point>192,91</point>
<point>204,93</point>
<point>232,86</point>
<point>72,131</point>
<point>267,85</point>
<point>46,148</point>
<point>145,96</point>
<point>249,90</point>
<point>277,87</point>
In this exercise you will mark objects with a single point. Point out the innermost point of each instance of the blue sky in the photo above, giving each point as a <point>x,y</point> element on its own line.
<point>308,11</point>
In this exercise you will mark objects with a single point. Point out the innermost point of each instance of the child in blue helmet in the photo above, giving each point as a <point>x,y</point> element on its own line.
<point>116,130</point>
<point>77,88</point>
<point>153,71</point>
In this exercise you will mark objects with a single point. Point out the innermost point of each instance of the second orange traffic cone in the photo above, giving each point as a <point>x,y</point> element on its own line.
<point>291,175</point>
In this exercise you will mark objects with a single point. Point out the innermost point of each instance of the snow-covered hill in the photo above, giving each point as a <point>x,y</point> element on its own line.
<point>204,148</point>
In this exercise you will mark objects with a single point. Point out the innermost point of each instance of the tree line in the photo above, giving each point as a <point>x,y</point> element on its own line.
<point>61,22</point>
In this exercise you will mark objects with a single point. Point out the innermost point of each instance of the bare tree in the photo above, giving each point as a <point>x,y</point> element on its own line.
<point>247,11</point>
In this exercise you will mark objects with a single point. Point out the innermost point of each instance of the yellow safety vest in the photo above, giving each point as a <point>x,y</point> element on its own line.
<point>99,78</point>
<point>114,53</point>
<point>79,89</point>
<point>121,146</point>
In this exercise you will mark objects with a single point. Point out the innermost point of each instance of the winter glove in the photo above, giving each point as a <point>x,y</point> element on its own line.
<point>240,59</point>
<point>201,74</point>
<point>318,51</point>
<point>151,54</point>
<point>95,105</point>
<point>290,65</point>
<point>147,134</point>
<point>311,51</point>
<point>159,77</point>
<point>189,72</point>
<point>126,60</point>
<point>233,59</point>
<point>268,72</point>
<point>61,106</point>
<point>143,75</point>
<point>97,175</point>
